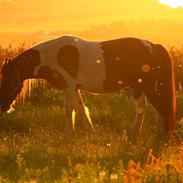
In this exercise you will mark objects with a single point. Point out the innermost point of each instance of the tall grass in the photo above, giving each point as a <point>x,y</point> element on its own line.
<point>33,148</point>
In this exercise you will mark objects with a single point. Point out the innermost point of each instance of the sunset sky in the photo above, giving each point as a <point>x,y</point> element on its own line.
<point>45,18</point>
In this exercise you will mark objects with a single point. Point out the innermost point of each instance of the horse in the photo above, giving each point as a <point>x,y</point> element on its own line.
<point>75,65</point>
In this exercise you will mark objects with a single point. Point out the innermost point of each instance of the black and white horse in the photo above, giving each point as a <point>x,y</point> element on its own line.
<point>73,65</point>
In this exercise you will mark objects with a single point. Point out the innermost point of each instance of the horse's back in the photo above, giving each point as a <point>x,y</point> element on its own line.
<point>81,59</point>
<point>99,66</point>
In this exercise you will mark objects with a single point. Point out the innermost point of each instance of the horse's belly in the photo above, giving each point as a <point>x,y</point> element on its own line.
<point>91,73</point>
<point>91,76</point>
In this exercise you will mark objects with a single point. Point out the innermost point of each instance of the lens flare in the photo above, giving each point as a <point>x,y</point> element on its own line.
<point>172,3</point>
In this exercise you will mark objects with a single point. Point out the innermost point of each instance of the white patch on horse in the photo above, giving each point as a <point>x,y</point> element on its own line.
<point>48,56</point>
<point>90,75</point>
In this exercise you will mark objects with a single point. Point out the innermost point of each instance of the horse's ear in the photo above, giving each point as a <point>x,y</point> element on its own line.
<point>6,61</point>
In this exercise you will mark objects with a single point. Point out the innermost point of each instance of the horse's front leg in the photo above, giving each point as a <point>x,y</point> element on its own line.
<point>69,111</point>
<point>160,124</point>
<point>83,112</point>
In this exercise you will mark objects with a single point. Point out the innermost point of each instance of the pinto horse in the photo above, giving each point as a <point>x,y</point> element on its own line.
<point>73,65</point>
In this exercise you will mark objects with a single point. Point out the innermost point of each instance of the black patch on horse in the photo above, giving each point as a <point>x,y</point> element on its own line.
<point>68,59</point>
<point>13,74</point>
<point>124,59</point>
<point>27,62</point>
<point>124,62</point>
<point>53,77</point>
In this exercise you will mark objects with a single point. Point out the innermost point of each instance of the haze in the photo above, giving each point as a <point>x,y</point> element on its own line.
<point>33,20</point>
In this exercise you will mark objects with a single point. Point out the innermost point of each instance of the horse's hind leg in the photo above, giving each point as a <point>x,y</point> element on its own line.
<point>161,108</point>
<point>69,111</point>
<point>141,105</point>
<point>160,124</point>
<point>83,112</point>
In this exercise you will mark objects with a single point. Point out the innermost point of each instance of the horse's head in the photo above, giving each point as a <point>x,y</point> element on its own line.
<point>10,84</point>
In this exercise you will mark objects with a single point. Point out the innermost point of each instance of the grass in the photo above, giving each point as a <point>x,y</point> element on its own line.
<point>33,148</point>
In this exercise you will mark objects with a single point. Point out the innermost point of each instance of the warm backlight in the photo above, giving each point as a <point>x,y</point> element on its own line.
<point>172,3</point>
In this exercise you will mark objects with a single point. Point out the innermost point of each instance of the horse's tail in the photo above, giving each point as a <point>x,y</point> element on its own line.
<point>166,83</point>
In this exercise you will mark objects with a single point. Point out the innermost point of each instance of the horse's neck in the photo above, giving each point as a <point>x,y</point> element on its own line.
<point>26,64</point>
<point>24,71</point>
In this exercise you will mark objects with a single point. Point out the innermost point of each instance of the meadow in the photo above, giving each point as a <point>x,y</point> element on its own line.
<point>33,148</point>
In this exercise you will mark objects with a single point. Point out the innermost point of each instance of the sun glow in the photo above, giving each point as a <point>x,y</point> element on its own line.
<point>73,118</point>
<point>29,22</point>
<point>172,3</point>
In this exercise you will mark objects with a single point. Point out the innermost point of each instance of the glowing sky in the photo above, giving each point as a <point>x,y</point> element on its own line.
<point>29,15</point>
<point>46,16</point>
<point>172,3</point>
